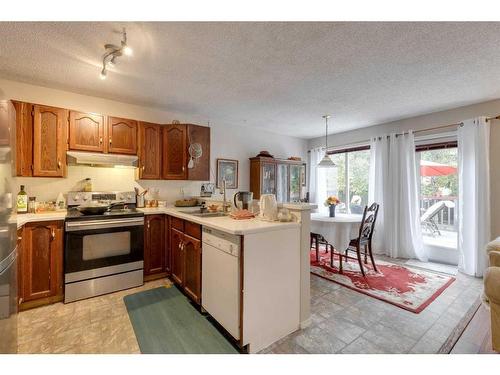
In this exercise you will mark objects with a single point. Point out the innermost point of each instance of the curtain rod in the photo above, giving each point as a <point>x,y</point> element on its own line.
<point>429,129</point>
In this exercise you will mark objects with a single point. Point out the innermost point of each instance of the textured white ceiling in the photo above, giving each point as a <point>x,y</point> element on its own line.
<point>279,76</point>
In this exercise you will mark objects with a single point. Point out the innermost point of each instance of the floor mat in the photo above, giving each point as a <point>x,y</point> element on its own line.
<point>165,322</point>
<point>409,288</point>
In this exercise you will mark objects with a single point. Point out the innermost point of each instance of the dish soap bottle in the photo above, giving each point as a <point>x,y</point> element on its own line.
<point>87,185</point>
<point>22,201</point>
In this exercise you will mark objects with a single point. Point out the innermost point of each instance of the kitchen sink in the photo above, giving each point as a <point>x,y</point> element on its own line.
<point>204,214</point>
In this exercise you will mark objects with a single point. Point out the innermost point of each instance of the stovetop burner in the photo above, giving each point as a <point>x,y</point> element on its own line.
<point>74,214</point>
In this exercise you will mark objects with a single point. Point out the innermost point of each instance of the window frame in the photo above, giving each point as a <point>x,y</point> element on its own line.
<point>346,152</point>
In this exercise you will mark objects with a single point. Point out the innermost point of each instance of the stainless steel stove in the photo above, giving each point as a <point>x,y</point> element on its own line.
<point>102,253</point>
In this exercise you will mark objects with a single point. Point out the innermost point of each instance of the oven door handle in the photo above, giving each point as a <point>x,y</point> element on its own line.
<point>103,224</point>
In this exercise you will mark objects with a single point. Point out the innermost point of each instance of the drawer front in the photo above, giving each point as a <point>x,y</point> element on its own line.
<point>177,223</point>
<point>192,229</point>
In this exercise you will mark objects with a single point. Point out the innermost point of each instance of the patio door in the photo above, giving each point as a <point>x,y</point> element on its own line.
<point>439,200</point>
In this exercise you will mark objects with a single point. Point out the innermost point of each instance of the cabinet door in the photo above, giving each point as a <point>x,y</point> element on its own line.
<point>199,137</point>
<point>177,256</point>
<point>168,252</point>
<point>192,273</point>
<point>23,157</point>
<point>174,152</point>
<point>154,246</point>
<point>49,141</point>
<point>42,260</point>
<point>122,136</point>
<point>295,182</point>
<point>20,256</point>
<point>268,178</point>
<point>282,191</point>
<point>86,132</point>
<point>149,151</point>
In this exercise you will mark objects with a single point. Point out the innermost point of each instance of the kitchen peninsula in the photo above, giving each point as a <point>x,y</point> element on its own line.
<point>268,267</point>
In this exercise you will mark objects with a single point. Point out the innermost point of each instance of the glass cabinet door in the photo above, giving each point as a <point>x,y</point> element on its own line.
<point>295,183</point>
<point>282,183</point>
<point>268,178</point>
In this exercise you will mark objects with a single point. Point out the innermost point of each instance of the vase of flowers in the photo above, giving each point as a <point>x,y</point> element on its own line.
<point>331,202</point>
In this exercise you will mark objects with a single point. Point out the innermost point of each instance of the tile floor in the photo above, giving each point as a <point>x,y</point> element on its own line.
<point>95,325</point>
<point>343,321</point>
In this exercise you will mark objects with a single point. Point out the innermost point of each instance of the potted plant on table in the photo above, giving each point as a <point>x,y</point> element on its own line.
<point>331,202</point>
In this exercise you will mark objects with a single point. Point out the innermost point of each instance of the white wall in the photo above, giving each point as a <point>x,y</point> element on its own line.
<point>227,141</point>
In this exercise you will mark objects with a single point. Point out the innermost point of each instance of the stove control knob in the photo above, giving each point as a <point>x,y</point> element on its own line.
<point>76,197</point>
<point>85,198</point>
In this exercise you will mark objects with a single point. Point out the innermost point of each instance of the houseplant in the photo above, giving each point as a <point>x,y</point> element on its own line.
<point>331,202</point>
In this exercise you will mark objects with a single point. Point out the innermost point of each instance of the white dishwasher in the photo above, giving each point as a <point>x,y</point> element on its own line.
<point>220,278</point>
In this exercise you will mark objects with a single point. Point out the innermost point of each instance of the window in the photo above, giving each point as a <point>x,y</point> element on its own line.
<point>348,181</point>
<point>439,196</point>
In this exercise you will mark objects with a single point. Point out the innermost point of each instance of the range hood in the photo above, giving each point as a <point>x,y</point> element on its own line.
<point>101,160</point>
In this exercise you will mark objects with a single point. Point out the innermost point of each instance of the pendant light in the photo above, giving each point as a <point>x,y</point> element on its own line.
<point>326,162</point>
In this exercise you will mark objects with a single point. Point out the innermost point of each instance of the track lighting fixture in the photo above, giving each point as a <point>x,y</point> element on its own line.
<point>112,52</point>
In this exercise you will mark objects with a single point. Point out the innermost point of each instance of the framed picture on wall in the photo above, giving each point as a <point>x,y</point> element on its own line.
<point>227,169</point>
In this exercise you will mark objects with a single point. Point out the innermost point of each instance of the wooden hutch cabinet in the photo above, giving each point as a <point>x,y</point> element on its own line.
<point>284,178</point>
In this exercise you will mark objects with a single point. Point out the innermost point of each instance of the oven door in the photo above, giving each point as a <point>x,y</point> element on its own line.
<point>96,244</point>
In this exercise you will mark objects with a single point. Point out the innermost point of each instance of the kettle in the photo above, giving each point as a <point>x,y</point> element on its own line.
<point>268,207</point>
<point>243,199</point>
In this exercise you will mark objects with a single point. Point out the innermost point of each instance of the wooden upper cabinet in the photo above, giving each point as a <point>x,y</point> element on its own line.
<point>149,151</point>
<point>201,166</point>
<point>122,136</point>
<point>174,152</point>
<point>49,141</point>
<point>42,260</point>
<point>86,131</point>
<point>23,157</point>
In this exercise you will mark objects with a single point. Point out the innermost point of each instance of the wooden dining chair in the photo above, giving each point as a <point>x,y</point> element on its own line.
<point>364,240</point>
<point>317,239</point>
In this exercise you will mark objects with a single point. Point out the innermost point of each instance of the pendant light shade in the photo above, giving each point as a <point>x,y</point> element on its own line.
<point>326,162</point>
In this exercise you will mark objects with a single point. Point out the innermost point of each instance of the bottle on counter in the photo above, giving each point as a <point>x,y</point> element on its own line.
<point>87,184</point>
<point>60,202</point>
<point>22,201</point>
<point>32,205</point>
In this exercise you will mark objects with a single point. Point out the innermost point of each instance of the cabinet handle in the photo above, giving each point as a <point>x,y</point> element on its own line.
<point>183,168</point>
<point>143,167</point>
<point>110,141</point>
<point>58,164</point>
<point>19,238</point>
<point>149,226</point>
<point>100,140</point>
<point>53,235</point>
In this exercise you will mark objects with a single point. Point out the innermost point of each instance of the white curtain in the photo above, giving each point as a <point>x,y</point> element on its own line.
<point>315,156</point>
<point>473,195</point>
<point>393,185</point>
<point>317,179</point>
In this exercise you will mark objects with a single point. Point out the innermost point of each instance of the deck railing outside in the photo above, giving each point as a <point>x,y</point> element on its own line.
<point>446,219</point>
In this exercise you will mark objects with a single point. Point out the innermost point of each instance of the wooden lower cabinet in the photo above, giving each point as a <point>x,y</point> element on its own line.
<point>186,260</point>
<point>154,246</point>
<point>41,264</point>
<point>176,239</point>
<point>192,268</point>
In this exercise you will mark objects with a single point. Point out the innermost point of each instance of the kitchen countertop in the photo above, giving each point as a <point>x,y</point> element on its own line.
<point>22,219</point>
<point>223,223</point>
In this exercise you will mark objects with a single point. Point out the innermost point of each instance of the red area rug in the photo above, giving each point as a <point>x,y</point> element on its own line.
<point>410,289</point>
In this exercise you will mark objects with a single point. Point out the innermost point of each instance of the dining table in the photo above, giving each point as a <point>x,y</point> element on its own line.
<point>338,230</point>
